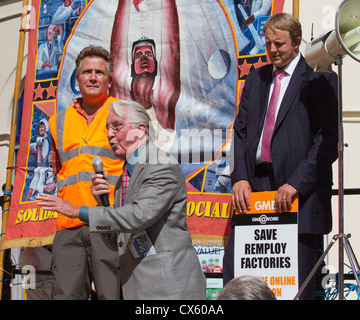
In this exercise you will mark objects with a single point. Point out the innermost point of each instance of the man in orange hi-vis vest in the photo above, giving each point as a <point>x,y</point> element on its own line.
<point>80,258</point>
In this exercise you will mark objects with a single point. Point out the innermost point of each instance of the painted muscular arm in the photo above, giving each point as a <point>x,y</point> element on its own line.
<point>167,93</point>
<point>118,49</point>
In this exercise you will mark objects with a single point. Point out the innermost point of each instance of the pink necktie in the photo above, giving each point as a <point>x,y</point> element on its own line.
<point>270,117</point>
<point>124,182</point>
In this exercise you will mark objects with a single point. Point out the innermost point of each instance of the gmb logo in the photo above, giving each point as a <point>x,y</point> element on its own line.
<point>264,219</point>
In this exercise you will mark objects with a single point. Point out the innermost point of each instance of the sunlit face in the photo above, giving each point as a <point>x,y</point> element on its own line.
<point>93,77</point>
<point>122,135</point>
<point>144,60</point>
<point>280,48</point>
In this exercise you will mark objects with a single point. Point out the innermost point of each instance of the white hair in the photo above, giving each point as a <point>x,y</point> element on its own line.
<point>131,111</point>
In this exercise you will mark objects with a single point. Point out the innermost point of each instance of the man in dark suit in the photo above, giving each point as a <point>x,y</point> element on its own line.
<point>295,156</point>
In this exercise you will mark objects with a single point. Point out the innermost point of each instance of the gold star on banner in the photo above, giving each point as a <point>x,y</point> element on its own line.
<point>38,92</point>
<point>245,68</point>
<point>51,90</point>
<point>259,63</point>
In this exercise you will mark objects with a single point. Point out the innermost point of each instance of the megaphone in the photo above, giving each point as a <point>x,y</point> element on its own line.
<point>323,51</point>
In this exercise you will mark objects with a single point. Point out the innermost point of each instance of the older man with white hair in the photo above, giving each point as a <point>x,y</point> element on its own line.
<point>147,225</point>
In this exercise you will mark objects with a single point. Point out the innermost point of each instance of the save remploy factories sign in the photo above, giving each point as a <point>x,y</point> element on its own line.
<point>266,245</point>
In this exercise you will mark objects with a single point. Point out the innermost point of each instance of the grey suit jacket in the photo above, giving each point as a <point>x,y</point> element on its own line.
<point>156,201</point>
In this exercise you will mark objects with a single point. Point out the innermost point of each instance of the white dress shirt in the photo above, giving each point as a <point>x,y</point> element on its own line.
<point>289,69</point>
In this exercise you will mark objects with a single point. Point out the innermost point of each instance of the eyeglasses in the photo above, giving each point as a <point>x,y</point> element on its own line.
<point>117,127</point>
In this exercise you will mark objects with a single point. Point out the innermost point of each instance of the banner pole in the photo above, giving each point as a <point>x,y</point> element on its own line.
<point>12,139</point>
<point>296,9</point>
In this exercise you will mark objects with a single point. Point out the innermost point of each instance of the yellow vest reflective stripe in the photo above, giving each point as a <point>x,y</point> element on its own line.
<point>82,176</point>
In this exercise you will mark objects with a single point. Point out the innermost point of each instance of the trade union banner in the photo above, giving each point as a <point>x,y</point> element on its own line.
<point>203,50</point>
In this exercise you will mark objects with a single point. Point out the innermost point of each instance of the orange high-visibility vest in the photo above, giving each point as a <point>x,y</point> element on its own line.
<point>77,144</point>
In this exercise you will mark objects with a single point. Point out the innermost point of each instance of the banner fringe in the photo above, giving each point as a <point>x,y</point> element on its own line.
<point>27,242</point>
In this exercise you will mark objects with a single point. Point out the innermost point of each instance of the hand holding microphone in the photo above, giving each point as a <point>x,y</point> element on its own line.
<point>98,168</point>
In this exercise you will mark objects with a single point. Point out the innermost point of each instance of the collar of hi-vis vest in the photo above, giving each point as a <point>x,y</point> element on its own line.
<point>102,151</point>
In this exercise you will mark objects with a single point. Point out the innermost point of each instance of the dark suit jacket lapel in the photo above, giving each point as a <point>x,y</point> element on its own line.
<point>292,90</point>
<point>264,89</point>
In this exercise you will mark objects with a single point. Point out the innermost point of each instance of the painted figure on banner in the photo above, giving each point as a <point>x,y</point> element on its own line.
<point>249,17</point>
<point>56,21</point>
<point>40,178</point>
<point>49,53</point>
<point>159,99</point>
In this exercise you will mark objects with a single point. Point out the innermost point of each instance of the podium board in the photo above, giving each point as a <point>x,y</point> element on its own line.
<point>266,245</point>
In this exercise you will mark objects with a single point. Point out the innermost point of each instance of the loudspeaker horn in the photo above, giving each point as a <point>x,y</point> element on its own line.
<point>322,52</point>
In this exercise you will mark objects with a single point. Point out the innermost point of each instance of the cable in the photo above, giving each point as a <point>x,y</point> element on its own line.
<point>332,292</point>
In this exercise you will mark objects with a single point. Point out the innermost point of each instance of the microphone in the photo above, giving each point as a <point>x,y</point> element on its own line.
<point>98,167</point>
